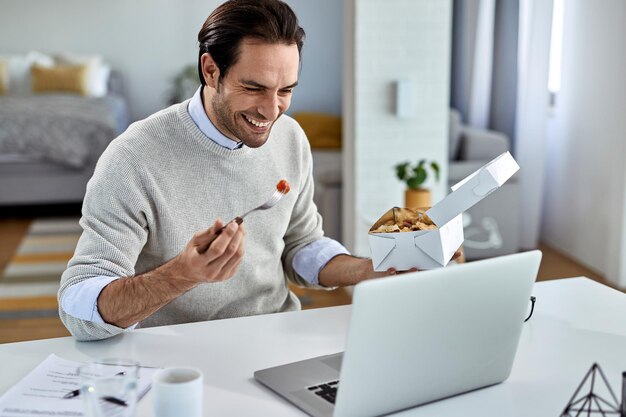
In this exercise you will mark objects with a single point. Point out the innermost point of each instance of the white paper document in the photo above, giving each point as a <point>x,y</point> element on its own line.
<point>40,393</point>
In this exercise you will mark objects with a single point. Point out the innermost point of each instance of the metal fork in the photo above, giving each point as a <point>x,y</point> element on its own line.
<point>275,198</point>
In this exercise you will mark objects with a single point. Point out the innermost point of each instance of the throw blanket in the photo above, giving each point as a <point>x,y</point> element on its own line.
<point>60,128</point>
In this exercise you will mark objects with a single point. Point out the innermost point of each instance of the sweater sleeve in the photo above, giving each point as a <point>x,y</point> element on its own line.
<point>115,218</point>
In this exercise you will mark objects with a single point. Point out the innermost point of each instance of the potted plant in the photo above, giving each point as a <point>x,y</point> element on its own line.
<point>184,85</point>
<point>416,196</point>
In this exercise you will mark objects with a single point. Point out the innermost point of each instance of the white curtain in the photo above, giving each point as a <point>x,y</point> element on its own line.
<point>508,93</point>
<point>495,89</point>
<point>472,58</point>
<point>484,59</point>
<point>535,22</point>
<point>479,106</point>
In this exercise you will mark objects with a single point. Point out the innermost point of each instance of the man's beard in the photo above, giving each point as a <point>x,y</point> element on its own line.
<point>227,124</point>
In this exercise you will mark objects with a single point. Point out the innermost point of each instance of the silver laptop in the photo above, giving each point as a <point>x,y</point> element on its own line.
<point>417,338</point>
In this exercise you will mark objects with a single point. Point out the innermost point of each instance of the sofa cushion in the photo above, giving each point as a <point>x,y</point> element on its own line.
<point>18,67</point>
<point>62,78</point>
<point>481,144</point>
<point>98,72</point>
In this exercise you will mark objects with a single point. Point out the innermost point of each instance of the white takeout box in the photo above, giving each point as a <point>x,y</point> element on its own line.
<point>428,249</point>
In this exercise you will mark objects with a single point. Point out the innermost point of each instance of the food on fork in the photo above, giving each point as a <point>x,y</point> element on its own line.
<point>283,186</point>
<point>404,220</point>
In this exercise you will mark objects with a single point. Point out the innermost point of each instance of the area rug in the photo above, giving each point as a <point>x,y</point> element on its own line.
<point>41,258</point>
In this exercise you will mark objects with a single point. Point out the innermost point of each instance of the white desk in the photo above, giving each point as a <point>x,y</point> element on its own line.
<point>576,322</point>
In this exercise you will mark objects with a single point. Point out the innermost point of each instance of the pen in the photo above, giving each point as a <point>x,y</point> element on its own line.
<point>72,394</point>
<point>113,400</point>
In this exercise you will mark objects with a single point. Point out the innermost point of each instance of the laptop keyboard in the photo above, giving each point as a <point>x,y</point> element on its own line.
<point>327,390</point>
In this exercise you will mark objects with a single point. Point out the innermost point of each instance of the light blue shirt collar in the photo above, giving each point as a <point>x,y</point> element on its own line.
<point>200,118</point>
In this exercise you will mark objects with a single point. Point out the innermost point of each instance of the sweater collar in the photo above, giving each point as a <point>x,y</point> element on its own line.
<point>200,118</point>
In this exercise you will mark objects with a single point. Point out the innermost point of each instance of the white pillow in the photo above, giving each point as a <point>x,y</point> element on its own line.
<point>18,70</point>
<point>98,81</point>
<point>98,72</point>
<point>68,58</point>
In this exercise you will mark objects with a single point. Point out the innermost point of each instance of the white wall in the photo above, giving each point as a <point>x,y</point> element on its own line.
<point>149,41</point>
<point>388,41</point>
<point>585,203</point>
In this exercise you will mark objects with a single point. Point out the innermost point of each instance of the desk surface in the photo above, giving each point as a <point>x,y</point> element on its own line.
<point>576,322</point>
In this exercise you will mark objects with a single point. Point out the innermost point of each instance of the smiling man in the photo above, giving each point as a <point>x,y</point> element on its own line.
<point>245,104</point>
<point>146,256</point>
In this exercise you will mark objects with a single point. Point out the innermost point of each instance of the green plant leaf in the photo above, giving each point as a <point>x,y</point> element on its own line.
<point>416,175</point>
<point>401,170</point>
<point>435,167</point>
<point>418,178</point>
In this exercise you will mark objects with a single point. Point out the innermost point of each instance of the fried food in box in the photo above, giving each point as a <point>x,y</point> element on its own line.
<point>399,220</point>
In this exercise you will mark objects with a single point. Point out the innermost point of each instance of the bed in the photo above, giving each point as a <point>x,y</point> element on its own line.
<point>49,143</point>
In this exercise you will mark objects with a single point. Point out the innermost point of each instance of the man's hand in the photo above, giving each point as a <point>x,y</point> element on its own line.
<point>345,270</point>
<point>210,256</point>
<point>458,256</point>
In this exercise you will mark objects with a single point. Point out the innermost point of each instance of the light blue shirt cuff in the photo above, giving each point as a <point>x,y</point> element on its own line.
<point>81,299</point>
<point>310,260</point>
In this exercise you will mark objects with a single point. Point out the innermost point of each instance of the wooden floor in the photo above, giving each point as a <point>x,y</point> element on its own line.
<point>554,265</point>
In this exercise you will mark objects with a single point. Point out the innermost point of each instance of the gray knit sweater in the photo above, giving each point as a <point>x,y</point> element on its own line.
<point>163,180</point>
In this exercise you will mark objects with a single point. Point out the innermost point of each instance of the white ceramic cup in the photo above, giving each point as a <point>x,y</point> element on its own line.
<point>177,392</point>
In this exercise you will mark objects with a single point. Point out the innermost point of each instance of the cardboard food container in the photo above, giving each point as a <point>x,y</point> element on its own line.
<point>429,249</point>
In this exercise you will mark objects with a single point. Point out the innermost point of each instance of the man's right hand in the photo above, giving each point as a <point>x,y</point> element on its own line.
<point>210,256</point>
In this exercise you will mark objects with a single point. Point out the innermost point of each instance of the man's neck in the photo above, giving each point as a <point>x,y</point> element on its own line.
<point>200,114</point>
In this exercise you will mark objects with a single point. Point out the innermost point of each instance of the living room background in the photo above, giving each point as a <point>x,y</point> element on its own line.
<point>150,41</point>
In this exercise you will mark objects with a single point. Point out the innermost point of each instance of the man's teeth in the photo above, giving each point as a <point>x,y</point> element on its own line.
<point>254,122</point>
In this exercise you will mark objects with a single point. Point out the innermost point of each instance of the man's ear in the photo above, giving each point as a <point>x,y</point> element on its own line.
<point>210,71</point>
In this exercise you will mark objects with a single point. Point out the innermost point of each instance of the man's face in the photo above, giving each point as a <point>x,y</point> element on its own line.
<point>256,90</point>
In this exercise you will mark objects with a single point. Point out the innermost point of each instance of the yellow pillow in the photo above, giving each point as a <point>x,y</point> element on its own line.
<point>63,78</point>
<point>3,78</point>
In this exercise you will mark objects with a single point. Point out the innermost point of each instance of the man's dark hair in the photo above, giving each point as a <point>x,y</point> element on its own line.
<point>271,21</point>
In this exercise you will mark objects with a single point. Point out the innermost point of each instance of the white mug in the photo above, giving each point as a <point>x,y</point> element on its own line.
<point>177,392</point>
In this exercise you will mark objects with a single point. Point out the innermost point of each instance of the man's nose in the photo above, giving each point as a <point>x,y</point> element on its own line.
<point>270,107</point>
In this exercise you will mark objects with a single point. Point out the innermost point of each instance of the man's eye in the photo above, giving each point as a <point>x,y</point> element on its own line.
<point>253,89</point>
